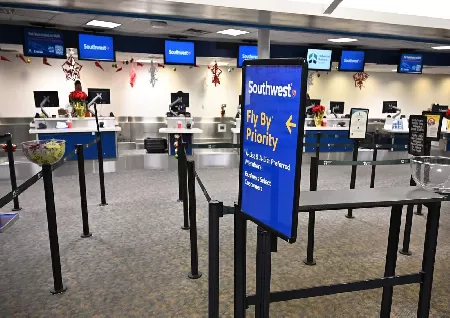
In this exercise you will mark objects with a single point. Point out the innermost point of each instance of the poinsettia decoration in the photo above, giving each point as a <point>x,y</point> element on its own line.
<point>77,97</point>
<point>447,114</point>
<point>318,109</point>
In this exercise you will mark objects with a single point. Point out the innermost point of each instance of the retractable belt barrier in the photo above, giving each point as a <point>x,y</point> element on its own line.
<point>28,183</point>
<point>362,163</point>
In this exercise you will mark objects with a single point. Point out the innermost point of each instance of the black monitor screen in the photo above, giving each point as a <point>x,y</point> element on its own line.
<point>104,92</point>
<point>39,96</point>
<point>337,107</point>
<point>184,98</point>
<point>439,108</point>
<point>387,106</point>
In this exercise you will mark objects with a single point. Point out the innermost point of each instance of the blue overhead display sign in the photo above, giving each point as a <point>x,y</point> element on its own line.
<point>271,143</point>
<point>247,52</point>
<point>44,43</point>
<point>410,63</point>
<point>96,47</point>
<point>319,60</point>
<point>352,61</point>
<point>179,52</point>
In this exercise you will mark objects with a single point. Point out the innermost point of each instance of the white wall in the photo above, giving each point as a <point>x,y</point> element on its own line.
<point>414,93</point>
<point>18,80</point>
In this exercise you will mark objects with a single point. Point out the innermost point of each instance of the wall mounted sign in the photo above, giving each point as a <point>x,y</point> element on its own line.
<point>319,60</point>
<point>96,47</point>
<point>410,63</point>
<point>359,119</point>
<point>44,43</point>
<point>352,61</point>
<point>247,52</point>
<point>179,52</point>
<point>417,135</point>
<point>272,126</point>
<point>434,122</point>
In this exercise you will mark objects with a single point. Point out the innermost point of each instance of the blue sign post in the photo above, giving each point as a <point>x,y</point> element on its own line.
<point>271,143</point>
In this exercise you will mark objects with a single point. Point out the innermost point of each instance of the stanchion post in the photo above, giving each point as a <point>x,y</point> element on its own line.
<point>58,286</point>
<point>426,172</point>
<point>101,172</point>
<point>314,169</point>
<point>374,159</point>
<point>318,145</point>
<point>353,176</point>
<point>12,171</point>
<point>194,274</point>
<point>184,180</point>
<point>240,262</point>
<point>179,163</point>
<point>82,182</point>
<point>215,212</point>
<point>263,273</point>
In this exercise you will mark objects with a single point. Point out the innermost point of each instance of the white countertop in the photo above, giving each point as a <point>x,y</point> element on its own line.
<point>70,130</point>
<point>73,118</point>
<point>236,130</point>
<point>180,131</point>
<point>397,131</point>
<point>326,128</point>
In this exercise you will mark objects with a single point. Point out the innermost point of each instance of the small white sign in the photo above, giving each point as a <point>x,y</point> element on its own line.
<point>222,128</point>
<point>359,118</point>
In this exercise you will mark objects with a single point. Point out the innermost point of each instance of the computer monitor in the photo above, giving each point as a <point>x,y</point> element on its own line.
<point>39,96</point>
<point>439,108</point>
<point>387,107</point>
<point>337,107</point>
<point>104,92</point>
<point>184,98</point>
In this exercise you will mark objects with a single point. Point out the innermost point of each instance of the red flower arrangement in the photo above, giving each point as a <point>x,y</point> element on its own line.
<point>318,109</point>
<point>447,114</point>
<point>77,96</point>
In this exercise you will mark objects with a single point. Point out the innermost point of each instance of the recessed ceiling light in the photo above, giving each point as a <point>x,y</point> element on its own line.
<point>103,24</point>
<point>233,32</point>
<point>442,47</point>
<point>342,40</point>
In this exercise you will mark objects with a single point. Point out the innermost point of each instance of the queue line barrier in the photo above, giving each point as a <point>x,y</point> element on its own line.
<point>11,165</point>
<point>47,175</point>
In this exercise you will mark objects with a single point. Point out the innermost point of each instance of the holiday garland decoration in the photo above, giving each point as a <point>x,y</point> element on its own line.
<point>97,64</point>
<point>216,71</point>
<point>45,61</point>
<point>360,78</point>
<point>26,61</point>
<point>152,71</point>
<point>132,75</point>
<point>71,69</point>
<point>3,58</point>
<point>310,79</point>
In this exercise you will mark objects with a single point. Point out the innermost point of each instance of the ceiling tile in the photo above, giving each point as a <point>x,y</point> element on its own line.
<point>34,14</point>
<point>78,19</point>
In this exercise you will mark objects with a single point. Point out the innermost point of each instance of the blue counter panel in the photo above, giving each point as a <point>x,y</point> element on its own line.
<point>342,139</point>
<point>401,139</point>
<point>72,139</point>
<point>187,138</point>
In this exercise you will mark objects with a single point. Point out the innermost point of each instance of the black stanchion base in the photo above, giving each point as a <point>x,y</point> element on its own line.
<point>59,291</point>
<point>309,263</point>
<point>185,227</point>
<point>18,209</point>
<point>103,204</point>
<point>349,216</point>
<point>191,276</point>
<point>407,253</point>
<point>86,235</point>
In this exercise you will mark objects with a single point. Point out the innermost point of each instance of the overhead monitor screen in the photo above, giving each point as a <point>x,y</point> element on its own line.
<point>247,52</point>
<point>44,43</point>
<point>410,63</point>
<point>319,60</point>
<point>179,52</point>
<point>96,47</point>
<point>352,61</point>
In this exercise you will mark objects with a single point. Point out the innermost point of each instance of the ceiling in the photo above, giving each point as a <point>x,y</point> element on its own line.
<point>370,19</point>
<point>198,31</point>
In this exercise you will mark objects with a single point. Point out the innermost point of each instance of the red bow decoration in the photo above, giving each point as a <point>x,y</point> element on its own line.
<point>45,61</point>
<point>2,58</point>
<point>360,78</point>
<point>161,65</point>
<point>216,71</point>
<point>139,64</point>
<point>71,69</point>
<point>97,63</point>
<point>119,69</point>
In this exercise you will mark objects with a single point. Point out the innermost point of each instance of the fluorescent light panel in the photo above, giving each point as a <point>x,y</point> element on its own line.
<point>103,24</point>
<point>442,47</point>
<point>342,40</point>
<point>233,32</point>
